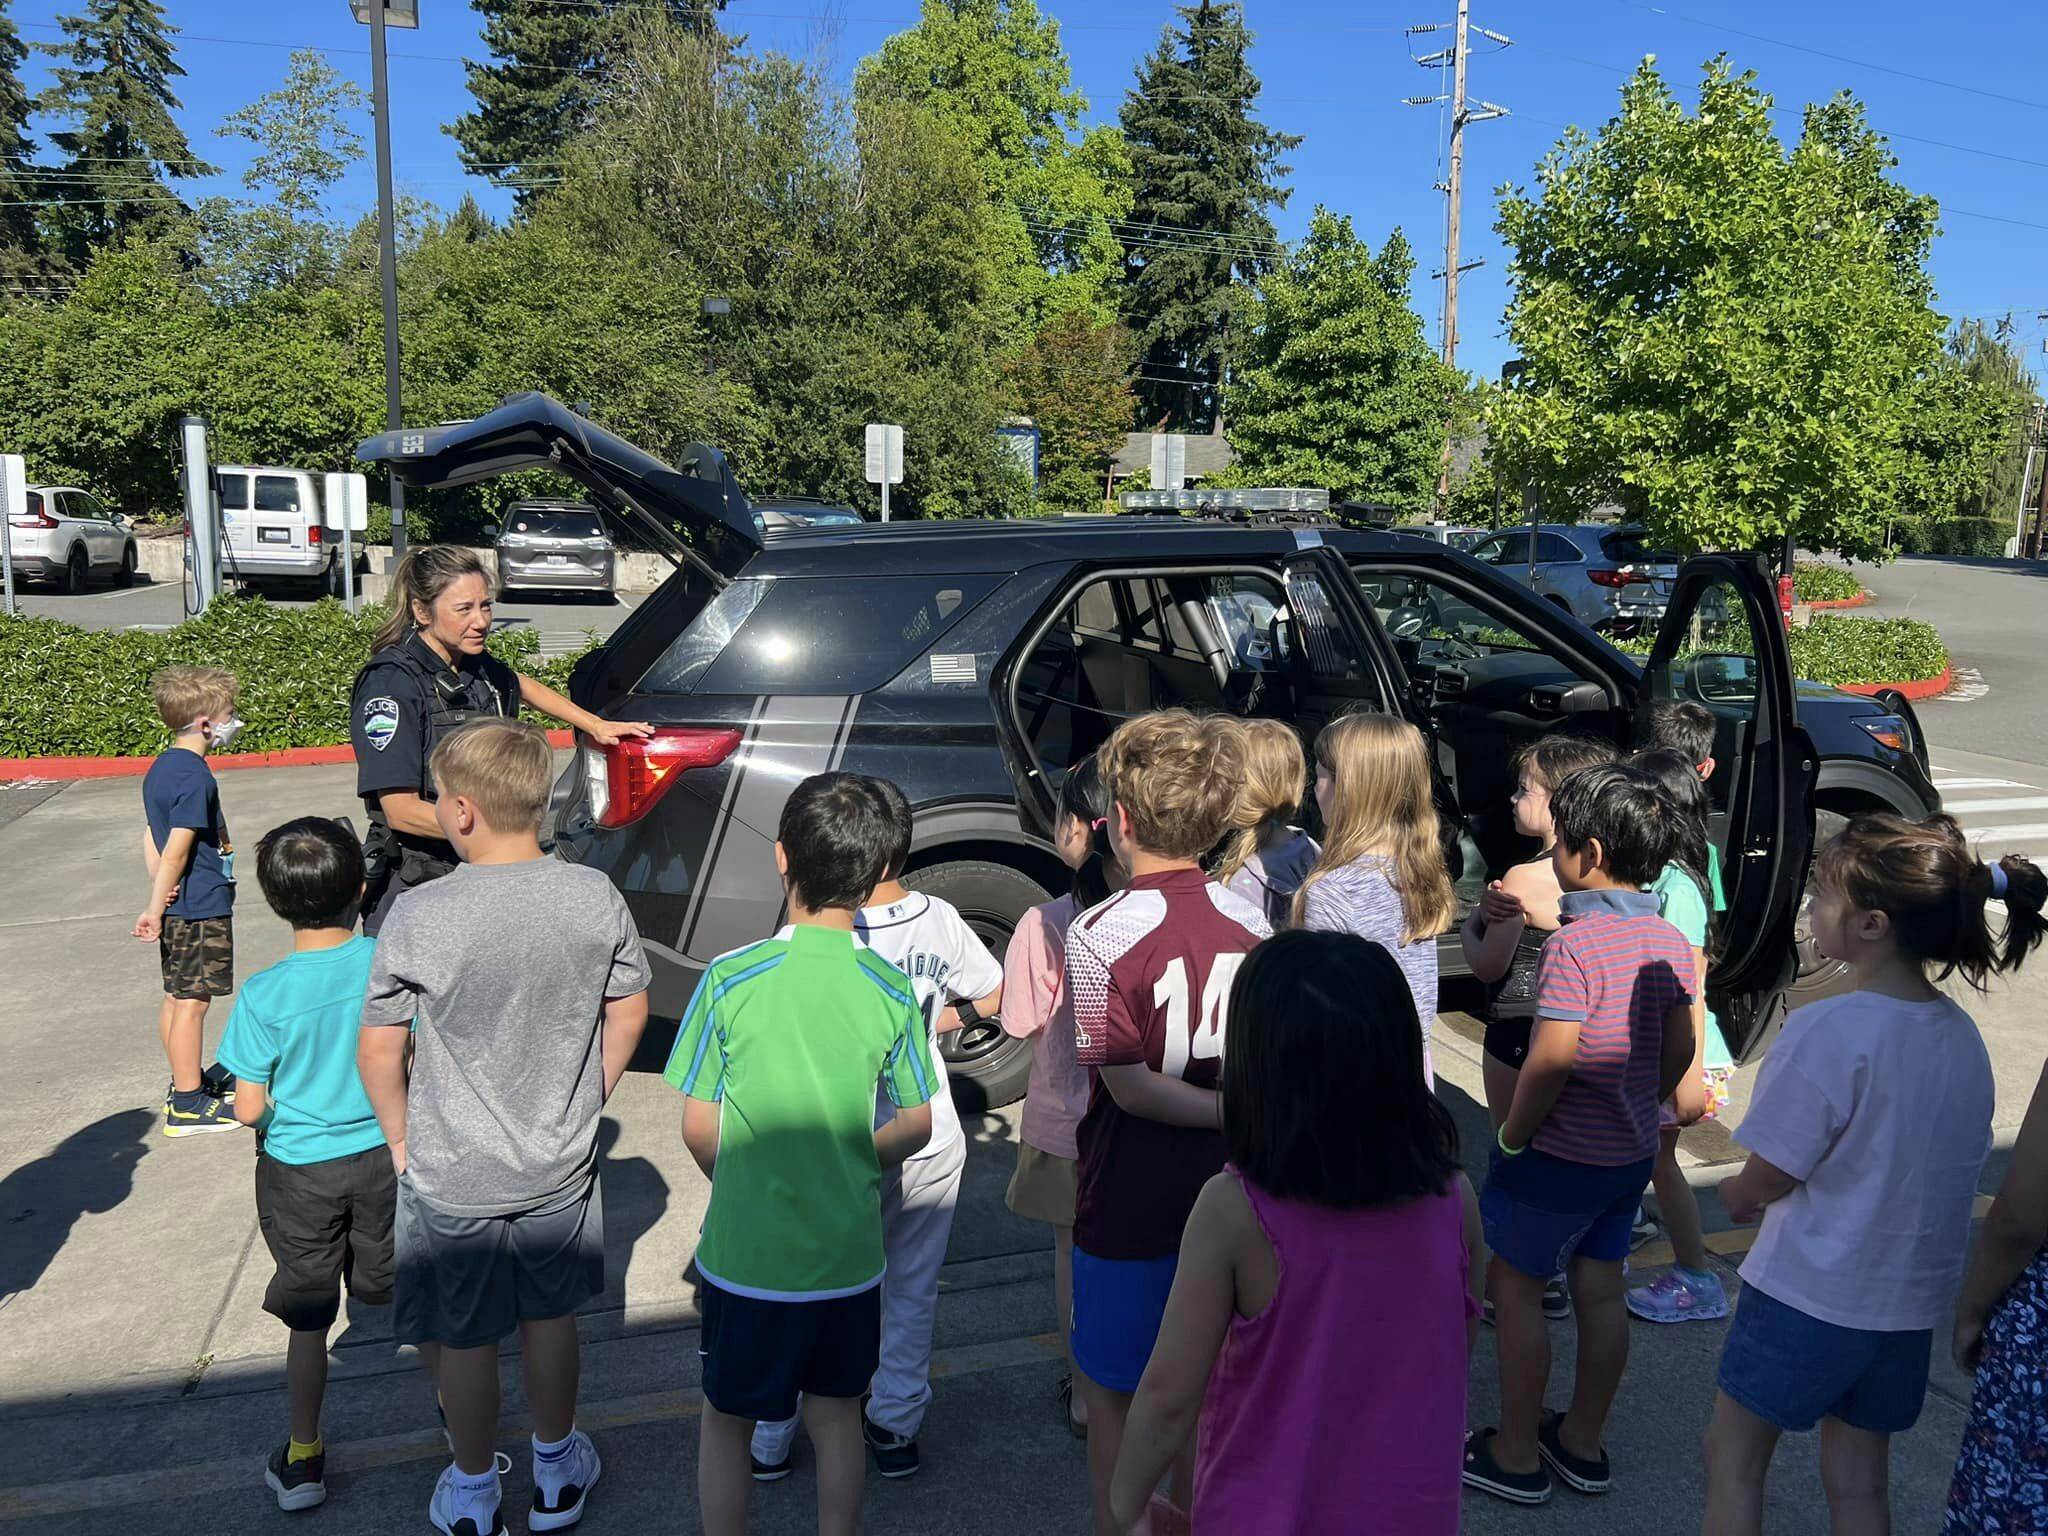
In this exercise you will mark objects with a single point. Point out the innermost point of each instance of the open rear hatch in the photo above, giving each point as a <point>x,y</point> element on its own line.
<point>694,511</point>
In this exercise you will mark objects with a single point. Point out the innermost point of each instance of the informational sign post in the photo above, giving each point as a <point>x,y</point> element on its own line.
<point>884,459</point>
<point>345,504</point>
<point>1169,461</point>
<point>13,504</point>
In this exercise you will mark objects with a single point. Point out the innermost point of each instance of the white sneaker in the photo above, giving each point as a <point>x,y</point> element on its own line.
<point>561,1485</point>
<point>460,1511</point>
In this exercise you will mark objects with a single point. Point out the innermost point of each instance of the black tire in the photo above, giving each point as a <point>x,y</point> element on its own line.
<point>125,577</point>
<point>77,567</point>
<point>988,1068</point>
<point>1817,976</point>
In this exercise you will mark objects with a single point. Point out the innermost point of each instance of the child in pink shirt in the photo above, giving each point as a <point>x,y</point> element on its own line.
<point>1036,1008</point>
<point>1327,1277</point>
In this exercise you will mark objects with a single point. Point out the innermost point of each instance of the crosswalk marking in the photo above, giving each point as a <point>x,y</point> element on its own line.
<point>1947,784</point>
<point>1994,823</point>
<point>2017,803</point>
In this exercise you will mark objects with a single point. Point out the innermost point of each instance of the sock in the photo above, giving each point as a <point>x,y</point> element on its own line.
<point>300,1450</point>
<point>478,1482</point>
<point>553,1451</point>
<point>188,1102</point>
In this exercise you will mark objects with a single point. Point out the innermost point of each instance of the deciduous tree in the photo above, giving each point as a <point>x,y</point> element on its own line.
<point>1074,382</point>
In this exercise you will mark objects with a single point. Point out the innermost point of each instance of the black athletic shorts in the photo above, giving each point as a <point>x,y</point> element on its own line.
<point>758,1355</point>
<point>1507,1040</point>
<point>467,1281</point>
<point>327,1225</point>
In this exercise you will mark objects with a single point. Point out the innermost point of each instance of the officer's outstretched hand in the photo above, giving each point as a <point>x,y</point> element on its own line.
<point>609,733</point>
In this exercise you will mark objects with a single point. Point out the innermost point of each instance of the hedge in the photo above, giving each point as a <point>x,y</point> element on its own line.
<point>70,692</point>
<point>1813,582</point>
<point>1838,648</point>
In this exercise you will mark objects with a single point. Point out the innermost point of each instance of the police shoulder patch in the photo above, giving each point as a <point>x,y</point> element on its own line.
<point>380,721</point>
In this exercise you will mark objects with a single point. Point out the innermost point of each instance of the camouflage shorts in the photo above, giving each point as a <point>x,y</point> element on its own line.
<point>198,956</point>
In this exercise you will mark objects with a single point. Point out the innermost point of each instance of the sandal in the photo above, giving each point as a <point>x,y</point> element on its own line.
<point>1078,1428</point>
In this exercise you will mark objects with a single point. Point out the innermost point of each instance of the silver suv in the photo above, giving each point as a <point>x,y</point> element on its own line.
<point>1605,575</point>
<point>555,545</point>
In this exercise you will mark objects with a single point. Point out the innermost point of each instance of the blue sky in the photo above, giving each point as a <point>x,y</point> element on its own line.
<point>1965,74</point>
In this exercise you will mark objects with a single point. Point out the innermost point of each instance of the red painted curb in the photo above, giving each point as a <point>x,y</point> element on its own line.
<point>1836,604</point>
<point>1926,688</point>
<point>57,769</point>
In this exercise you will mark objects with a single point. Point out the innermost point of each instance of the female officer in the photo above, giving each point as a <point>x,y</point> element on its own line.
<point>427,676</point>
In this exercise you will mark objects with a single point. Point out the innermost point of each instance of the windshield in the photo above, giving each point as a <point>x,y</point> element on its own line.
<point>555,524</point>
<point>1631,546</point>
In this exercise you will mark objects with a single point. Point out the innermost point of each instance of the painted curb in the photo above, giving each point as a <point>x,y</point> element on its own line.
<point>1836,604</point>
<point>1926,688</point>
<point>61,769</point>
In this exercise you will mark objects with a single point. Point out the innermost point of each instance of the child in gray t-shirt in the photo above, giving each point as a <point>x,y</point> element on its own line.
<point>520,982</point>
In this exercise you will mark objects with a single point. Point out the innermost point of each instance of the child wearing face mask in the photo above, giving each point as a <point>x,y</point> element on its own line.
<point>190,912</point>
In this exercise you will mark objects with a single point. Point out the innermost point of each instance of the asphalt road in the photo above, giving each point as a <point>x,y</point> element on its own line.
<point>562,621</point>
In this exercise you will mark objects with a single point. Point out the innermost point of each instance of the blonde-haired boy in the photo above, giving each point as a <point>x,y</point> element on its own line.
<point>1150,972</point>
<point>190,912</point>
<point>520,980</point>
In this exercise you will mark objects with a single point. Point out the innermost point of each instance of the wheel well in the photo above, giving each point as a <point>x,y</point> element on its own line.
<point>1558,600</point>
<point>1846,801</point>
<point>1032,862</point>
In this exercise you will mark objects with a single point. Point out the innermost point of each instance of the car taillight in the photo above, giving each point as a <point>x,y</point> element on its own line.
<point>1616,578</point>
<point>36,519</point>
<point>313,534</point>
<point>625,780</point>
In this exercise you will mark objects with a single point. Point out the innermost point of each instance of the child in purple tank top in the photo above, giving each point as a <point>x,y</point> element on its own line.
<point>1327,1275</point>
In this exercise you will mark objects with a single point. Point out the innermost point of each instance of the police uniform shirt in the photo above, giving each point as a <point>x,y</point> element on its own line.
<point>395,704</point>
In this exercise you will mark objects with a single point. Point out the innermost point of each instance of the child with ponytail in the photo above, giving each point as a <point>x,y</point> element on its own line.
<point>1266,856</point>
<point>1036,1008</point>
<point>1867,1133</point>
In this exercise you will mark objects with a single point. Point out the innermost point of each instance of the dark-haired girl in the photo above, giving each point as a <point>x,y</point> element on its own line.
<point>1867,1133</point>
<point>1327,1276</point>
<point>1036,1008</point>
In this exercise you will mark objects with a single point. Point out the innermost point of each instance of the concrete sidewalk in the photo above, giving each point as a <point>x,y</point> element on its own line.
<point>140,1379</point>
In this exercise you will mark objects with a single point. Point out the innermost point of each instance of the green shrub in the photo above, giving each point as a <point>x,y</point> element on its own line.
<point>1813,582</point>
<point>69,692</point>
<point>1978,536</point>
<point>1837,649</point>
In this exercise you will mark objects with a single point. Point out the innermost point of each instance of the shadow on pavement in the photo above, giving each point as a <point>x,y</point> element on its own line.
<point>635,1200</point>
<point>1981,562</point>
<point>88,1172</point>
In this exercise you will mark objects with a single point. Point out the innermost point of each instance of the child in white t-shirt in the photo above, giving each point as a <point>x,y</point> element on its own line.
<point>958,984</point>
<point>1867,1132</point>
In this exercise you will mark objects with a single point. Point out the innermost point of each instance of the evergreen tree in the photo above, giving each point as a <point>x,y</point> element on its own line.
<point>114,87</point>
<point>548,73</point>
<point>18,240</point>
<point>1207,172</point>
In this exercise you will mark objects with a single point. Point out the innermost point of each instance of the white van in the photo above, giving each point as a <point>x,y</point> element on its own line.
<point>275,529</point>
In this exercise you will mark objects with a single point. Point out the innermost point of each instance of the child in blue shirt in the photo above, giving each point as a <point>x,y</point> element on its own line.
<point>325,1189</point>
<point>191,865</point>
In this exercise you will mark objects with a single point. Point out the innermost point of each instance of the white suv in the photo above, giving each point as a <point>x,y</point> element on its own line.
<point>68,536</point>
<point>274,528</point>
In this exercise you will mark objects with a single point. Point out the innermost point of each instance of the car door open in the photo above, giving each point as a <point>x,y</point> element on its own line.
<point>1722,644</point>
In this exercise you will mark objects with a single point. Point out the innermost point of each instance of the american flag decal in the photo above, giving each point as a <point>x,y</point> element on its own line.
<point>957,668</point>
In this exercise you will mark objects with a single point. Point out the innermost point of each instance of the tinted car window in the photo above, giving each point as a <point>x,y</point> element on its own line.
<point>1628,546</point>
<point>35,503</point>
<point>556,524</point>
<point>1509,549</point>
<point>277,493</point>
<point>813,635</point>
<point>1555,546</point>
<point>234,493</point>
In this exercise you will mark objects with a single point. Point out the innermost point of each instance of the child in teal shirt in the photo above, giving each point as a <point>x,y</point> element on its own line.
<point>1689,894</point>
<point>325,1190</point>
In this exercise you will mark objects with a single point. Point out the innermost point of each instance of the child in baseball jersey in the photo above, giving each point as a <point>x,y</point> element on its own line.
<point>956,981</point>
<point>1150,971</point>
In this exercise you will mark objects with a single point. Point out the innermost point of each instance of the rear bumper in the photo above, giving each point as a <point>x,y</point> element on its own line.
<point>536,571</point>
<point>36,567</point>
<point>303,564</point>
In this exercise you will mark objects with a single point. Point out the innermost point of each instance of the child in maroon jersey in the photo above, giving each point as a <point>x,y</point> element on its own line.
<point>1150,971</point>
<point>1613,1036</point>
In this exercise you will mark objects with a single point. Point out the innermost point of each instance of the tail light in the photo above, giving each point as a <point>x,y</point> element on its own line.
<point>1785,593</point>
<point>625,780</point>
<point>1617,578</point>
<point>313,534</point>
<point>40,518</point>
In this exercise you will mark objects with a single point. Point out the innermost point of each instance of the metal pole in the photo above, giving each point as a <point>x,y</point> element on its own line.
<point>348,565</point>
<point>2019,522</point>
<point>387,242</point>
<point>885,489</point>
<point>7,552</point>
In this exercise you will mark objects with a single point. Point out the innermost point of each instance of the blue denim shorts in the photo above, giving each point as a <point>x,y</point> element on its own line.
<point>1540,1211</point>
<point>1793,1370</point>
<point>1118,1305</point>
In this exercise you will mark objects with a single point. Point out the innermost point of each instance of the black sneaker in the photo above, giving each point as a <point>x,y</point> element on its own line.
<point>1486,1474</point>
<point>198,1114</point>
<point>895,1455</point>
<point>1577,1472</point>
<point>1557,1299</point>
<point>297,1484</point>
<point>773,1471</point>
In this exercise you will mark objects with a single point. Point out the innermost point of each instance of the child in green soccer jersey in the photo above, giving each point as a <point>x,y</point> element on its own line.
<point>779,1054</point>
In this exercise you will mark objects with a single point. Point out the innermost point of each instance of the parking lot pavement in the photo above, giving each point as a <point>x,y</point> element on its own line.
<point>564,621</point>
<point>140,1379</point>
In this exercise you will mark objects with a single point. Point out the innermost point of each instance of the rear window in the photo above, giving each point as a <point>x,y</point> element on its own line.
<point>234,493</point>
<point>277,493</point>
<point>556,525</point>
<point>801,635</point>
<point>1629,546</point>
<point>35,503</point>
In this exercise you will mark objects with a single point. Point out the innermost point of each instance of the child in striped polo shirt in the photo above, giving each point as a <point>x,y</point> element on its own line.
<point>1613,1036</point>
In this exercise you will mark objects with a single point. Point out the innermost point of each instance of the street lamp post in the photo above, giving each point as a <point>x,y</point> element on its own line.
<point>380,14</point>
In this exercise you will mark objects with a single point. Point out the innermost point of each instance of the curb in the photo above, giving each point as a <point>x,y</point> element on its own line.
<point>1926,688</point>
<point>64,769</point>
<point>1836,604</point>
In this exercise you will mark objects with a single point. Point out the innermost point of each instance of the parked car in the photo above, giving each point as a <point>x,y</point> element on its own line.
<point>803,512</point>
<point>974,664</point>
<point>68,536</point>
<point>275,530</point>
<point>1606,575</point>
<point>1446,533</point>
<point>555,545</point>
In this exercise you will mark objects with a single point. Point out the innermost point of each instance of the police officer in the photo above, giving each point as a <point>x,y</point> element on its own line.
<point>428,675</point>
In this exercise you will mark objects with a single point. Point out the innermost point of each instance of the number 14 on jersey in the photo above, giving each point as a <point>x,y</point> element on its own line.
<point>1185,1040</point>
